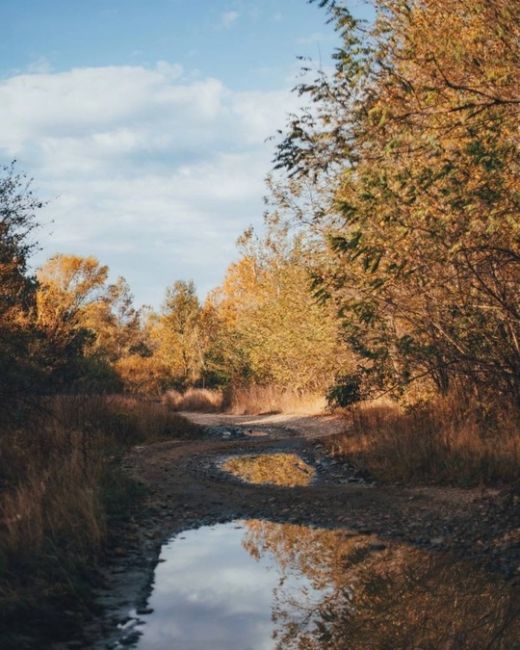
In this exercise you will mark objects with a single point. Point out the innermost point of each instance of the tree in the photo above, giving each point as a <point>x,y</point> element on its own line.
<point>177,334</point>
<point>18,207</point>
<point>272,330</point>
<point>71,287</point>
<point>416,131</point>
<point>89,324</point>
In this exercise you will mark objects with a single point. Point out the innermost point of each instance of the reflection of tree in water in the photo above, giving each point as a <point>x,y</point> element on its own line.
<point>363,596</point>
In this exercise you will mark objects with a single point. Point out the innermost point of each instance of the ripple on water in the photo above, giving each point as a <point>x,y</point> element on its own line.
<point>258,585</point>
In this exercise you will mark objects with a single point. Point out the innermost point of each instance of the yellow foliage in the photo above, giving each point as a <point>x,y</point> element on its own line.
<point>272,330</point>
<point>144,375</point>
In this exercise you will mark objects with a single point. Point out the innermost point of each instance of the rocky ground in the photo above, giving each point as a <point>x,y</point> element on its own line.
<point>187,488</point>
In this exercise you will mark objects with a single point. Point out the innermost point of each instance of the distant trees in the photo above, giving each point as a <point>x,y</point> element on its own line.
<point>175,343</point>
<point>262,326</point>
<point>178,336</point>
<point>66,328</point>
<point>271,331</point>
<point>89,324</point>
<point>391,256</point>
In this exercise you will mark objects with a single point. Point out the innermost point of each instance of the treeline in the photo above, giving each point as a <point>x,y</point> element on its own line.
<point>391,255</point>
<point>68,329</point>
<point>391,258</point>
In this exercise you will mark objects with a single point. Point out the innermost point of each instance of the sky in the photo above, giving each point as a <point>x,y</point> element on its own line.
<point>145,124</point>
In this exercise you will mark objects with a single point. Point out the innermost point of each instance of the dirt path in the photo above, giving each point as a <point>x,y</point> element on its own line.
<point>189,469</point>
<point>279,424</point>
<point>188,489</point>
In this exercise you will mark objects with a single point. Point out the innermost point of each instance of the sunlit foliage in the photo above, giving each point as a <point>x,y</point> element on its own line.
<point>417,130</point>
<point>272,330</point>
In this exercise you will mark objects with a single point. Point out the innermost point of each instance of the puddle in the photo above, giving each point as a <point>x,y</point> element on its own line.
<point>286,470</point>
<point>214,589</point>
<point>258,585</point>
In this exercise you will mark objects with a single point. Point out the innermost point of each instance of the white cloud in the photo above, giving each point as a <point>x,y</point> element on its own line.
<point>227,19</point>
<point>153,172</point>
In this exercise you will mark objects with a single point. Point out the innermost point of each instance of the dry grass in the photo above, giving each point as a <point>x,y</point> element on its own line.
<point>202,399</point>
<point>252,400</point>
<point>256,400</point>
<point>441,443</point>
<point>122,420</point>
<point>285,470</point>
<point>60,487</point>
<point>194,399</point>
<point>173,399</point>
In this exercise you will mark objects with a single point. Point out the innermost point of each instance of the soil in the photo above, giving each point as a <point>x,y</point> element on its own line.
<point>187,488</point>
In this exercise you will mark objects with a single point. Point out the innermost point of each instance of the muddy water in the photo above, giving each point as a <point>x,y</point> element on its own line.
<point>258,585</point>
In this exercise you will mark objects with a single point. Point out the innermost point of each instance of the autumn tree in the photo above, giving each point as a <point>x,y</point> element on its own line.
<point>417,131</point>
<point>273,331</point>
<point>177,336</point>
<point>90,324</point>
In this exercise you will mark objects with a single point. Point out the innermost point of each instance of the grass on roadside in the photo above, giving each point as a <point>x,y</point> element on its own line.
<point>250,400</point>
<point>60,488</point>
<point>202,400</point>
<point>255,400</point>
<point>439,443</point>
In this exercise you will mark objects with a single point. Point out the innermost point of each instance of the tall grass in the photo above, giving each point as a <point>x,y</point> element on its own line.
<point>121,420</point>
<point>255,400</point>
<point>194,399</point>
<point>60,483</point>
<point>251,400</point>
<point>444,442</point>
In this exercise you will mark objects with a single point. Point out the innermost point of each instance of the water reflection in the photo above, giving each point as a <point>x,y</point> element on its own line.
<point>261,585</point>
<point>379,597</point>
<point>209,593</point>
<point>286,470</point>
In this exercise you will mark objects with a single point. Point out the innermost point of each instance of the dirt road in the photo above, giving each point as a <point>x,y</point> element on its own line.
<point>278,424</point>
<point>187,489</point>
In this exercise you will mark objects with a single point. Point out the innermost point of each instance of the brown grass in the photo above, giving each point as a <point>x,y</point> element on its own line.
<point>252,400</point>
<point>122,420</point>
<point>194,399</point>
<point>173,399</point>
<point>255,400</point>
<point>202,399</point>
<point>444,442</point>
<point>60,487</point>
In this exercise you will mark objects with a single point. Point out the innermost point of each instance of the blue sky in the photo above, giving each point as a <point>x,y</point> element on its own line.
<point>144,123</point>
